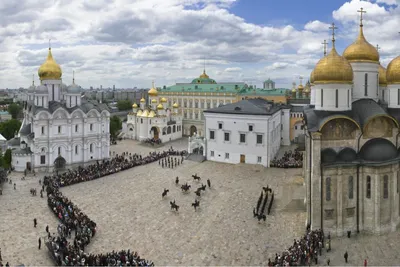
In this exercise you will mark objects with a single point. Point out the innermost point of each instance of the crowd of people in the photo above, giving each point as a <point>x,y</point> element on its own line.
<point>291,159</point>
<point>73,219</point>
<point>303,252</point>
<point>152,141</point>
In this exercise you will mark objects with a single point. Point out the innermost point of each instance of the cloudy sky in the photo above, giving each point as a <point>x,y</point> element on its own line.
<point>132,42</point>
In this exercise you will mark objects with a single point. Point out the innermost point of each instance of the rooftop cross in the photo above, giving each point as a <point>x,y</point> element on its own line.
<point>333,28</point>
<point>361,11</point>
<point>73,77</point>
<point>325,43</point>
<point>49,43</point>
<point>378,47</point>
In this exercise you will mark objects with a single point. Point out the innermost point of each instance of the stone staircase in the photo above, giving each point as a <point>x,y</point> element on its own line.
<point>196,157</point>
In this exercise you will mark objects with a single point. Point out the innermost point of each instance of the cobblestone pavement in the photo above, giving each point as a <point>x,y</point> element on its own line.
<point>130,213</point>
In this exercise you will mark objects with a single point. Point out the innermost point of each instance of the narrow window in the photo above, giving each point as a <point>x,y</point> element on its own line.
<point>368,186</point>
<point>43,159</point>
<point>91,127</point>
<point>351,187</point>
<point>258,159</point>
<point>59,151</point>
<point>398,96</point>
<point>377,84</point>
<point>52,91</point>
<point>42,129</point>
<point>242,138</point>
<point>398,176</point>
<point>91,148</point>
<point>42,100</point>
<point>385,186</point>
<point>226,155</point>
<point>219,125</point>
<point>383,95</point>
<point>366,84</point>
<point>348,98</point>
<point>76,128</point>
<point>259,139</point>
<point>76,150</point>
<point>227,137</point>
<point>212,153</point>
<point>70,101</point>
<point>250,128</point>
<point>328,189</point>
<point>212,135</point>
<point>59,129</point>
<point>337,98</point>
<point>322,97</point>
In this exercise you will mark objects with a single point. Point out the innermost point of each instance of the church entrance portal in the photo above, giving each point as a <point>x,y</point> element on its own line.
<point>193,130</point>
<point>28,166</point>
<point>155,132</point>
<point>60,163</point>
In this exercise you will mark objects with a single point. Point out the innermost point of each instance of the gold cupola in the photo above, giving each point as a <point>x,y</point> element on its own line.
<point>204,75</point>
<point>361,50</point>
<point>175,105</point>
<point>142,100</point>
<point>160,106</point>
<point>134,105</point>
<point>382,76</point>
<point>153,91</point>
<point>50,70</point>
<point>163,100</point>
<point>154,101</point>
<point>393,71</point>
<point>333,68</point>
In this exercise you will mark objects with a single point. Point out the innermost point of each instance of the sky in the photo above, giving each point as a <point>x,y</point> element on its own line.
<point>130,43</point>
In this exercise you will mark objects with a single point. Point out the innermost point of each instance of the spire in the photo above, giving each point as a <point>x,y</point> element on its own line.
<point>325,43</point>
<point>73,77</point>
<point>152,84</point>
<point>204,69</point>
<point>301,80</point>
<point>33,79</point>
<point>333,28</point>
<point>361,11</point>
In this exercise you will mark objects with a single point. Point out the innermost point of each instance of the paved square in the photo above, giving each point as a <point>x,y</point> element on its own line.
<point>131,214</point>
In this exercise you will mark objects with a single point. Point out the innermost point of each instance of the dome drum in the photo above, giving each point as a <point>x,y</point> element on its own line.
<point>393,71</point>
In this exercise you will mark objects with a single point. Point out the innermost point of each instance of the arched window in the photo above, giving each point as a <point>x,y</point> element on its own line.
<point>368,187</point>
<point>91,148</point>
<point>169,130</point>
<point>351,187</point>
<point>141,120</point>
<point>76,150</point>
<point>348,98</point>
<point>322,97</point>
<point>385,186</point>
<point>173,128</point>
<point>337,98</point>
<point>366,84</point>
<point>377,84</point>
<point>59,150</point>
<point>328,189</point>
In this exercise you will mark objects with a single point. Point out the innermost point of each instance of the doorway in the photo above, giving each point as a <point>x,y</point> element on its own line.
<point>193,130</point>
<point>155,133</point>
<point>28,166</point>
<point>242,158</point>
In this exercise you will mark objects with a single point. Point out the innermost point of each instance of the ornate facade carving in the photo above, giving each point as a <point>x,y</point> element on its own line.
<point>339,129</point>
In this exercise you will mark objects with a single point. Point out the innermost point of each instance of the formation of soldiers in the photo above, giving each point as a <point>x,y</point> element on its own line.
<point>291,159</point>
<point>170,162</point>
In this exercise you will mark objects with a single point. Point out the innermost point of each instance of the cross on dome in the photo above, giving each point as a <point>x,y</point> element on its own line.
<point>361,11</point>
<point>325,43</point>
<point>333,28</point>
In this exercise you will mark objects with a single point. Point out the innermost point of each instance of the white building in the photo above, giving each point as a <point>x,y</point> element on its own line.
<point>248,131</point>
<point>154,120</point>
<point>59,128</point>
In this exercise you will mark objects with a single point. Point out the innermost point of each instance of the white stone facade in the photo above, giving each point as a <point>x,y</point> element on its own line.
<point>333,97</point>
<point>366,80</point>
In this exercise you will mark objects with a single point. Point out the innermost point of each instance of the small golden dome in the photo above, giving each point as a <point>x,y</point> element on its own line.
<point>142,100</point>
<point>204,75</point>
<point>294,90</point>
<point>134,105</point>
<point>312,77</point>
<point>333,69</point>
<point>50,70</point>
<point>160,106</point>
<point>393,71</point>
<point>307,89</point>
<point>139,113</point>
<point>382,76</point>
<point>361,50</point>
<point>145,113</point>
<point>301,87</point>
<point>153,91</point>
<point>163,100</point>
<point>152,114</point>
<point>175,105</point>
<point>154,101</point>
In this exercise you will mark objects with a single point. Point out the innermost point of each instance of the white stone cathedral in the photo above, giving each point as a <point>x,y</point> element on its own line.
<point>59,129</point>
<point>351,164</point>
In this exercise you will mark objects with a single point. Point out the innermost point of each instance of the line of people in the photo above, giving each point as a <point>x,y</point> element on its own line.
<point>290,159</point>
<point>73,219</point>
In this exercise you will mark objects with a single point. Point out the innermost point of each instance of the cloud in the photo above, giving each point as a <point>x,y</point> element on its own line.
<point>388,2</point>
<point>234,69</point>
<point>316,26</point>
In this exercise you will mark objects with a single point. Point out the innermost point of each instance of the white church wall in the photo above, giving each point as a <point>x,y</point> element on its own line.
<point>19,161</point>
<point>360,69</point>
<point>328,95</point>
<point>285,127</point>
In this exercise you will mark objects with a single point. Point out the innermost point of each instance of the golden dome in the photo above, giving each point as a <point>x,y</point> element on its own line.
<point>312,77</point>
<point>140,112</point>
<point>142,100</point>
<point>50,70</point>
<point>393,71</point>
<point>307,89</point>
<point>134,105</point>
<point>153,91</point>
<point>333,69</point>
<point>175,105</point>
<point>361,50</point>
<point>152,114</point>
<point>382,76</point>
<point>145,113</point>
<point>154,101</point>
<point>160,106</point>
<point>301,87</point>
<point>294,90</point>
<point>204,75</point>
<point>163,100</point>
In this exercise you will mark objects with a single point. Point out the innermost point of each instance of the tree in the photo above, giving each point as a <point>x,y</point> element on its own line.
<point>8,128</point>
<point>7,159</point>
<point>14,110</point>
<point>115,126</point>
<point>124,105</point>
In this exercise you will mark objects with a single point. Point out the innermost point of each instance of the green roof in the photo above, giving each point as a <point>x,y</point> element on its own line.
<point>266,92</point>
<point>206,87</point>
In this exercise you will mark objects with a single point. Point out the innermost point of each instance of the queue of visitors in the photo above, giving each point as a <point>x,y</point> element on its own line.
<point>73,219</point>
<point>152,141</point>
<point>289,160</point>
<point>303,252</point>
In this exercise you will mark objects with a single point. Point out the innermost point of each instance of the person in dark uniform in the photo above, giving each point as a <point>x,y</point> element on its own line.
<point>346,256</point>
<point>47,228</point>
<point>34,222</point>
<point>40,242</point>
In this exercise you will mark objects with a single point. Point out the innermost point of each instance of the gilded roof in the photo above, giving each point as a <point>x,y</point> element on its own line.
<point>50,70</point>
<point>361,50</point>
<point>393,71</point>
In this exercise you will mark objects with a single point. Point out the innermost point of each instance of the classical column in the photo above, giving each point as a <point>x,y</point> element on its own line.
<point>316,183</point>
<point>339,203</point>
<point>377,203</point>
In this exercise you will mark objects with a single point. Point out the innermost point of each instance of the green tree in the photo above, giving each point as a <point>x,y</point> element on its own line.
<point>14,109</point>
<point>115,126</point>
<point>8,128</point>
<point>124,105</point>
<point>7,159</point>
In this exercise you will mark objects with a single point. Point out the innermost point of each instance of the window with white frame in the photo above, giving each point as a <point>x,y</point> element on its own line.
<point>212,153</point>
<point>91,127</point>
<point>242,138</point>
<point>76,150</point>
<point>226,155</point>
<point>59,129</point>
<point>42,129</point>
<point>212,135</point>
<point>259,139</point>
<point>259,159</point>
<point>91,148</point>
<point>226,137</point>
<point>220,125</point>
<point>250,128</point>
<point>76,128</point>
